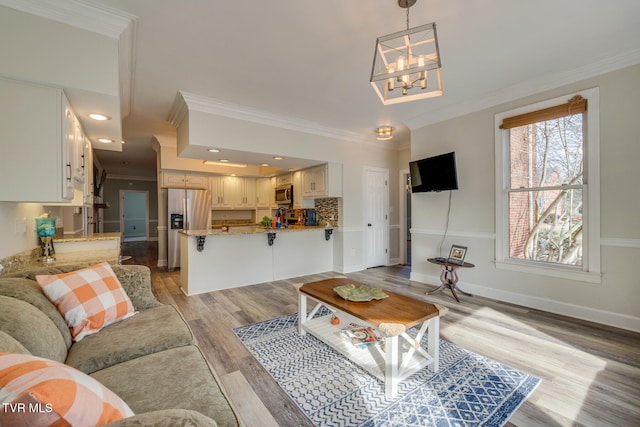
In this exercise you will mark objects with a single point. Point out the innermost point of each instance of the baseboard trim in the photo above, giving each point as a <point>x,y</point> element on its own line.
<point>623,321</point>
<point>348,269</point>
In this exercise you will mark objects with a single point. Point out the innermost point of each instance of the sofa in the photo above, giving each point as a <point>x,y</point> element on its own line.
<point>150,360</point>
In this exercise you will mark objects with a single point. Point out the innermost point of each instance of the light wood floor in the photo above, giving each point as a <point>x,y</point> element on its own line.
<point>590,373</point>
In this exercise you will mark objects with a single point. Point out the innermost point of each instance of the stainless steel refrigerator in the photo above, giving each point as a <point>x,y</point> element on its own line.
<point>188,210</point>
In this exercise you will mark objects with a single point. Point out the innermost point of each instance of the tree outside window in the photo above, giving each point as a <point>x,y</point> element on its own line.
<point>545,192</point>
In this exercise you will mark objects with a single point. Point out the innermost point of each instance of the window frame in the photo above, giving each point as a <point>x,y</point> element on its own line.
<point>590,269</point>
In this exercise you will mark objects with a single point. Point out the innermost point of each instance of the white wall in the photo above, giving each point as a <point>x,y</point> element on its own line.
<point>472,224</point>
<point>12,241</point>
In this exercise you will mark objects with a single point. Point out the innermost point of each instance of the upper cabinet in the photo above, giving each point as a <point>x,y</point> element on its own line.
<point>219,197</point>
<point>322,181</point>
<point>232,192</point>
<point>298,201</point>
<point>265,193</point>
<point>184,180</point>
<point>41,144</point>
<point>243,192</point>
<point>87,158</point>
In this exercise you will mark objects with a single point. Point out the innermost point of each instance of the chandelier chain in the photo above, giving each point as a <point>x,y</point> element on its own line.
<point>409,7</point>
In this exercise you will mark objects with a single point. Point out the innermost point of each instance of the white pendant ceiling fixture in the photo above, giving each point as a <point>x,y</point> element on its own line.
<point>406,64</point>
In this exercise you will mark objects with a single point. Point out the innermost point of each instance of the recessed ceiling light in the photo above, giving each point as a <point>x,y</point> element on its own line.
<point>122,141</point>
<point>224,160</point>
<point>264,164</point>
<point>278,158</point>
<point>99,117</point>
<point>105,140</point>
<point>214,150</point>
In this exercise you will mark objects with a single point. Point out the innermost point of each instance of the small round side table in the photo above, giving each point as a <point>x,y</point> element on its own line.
<point>449,277</point>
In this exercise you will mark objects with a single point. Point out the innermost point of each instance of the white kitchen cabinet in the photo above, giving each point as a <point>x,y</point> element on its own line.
<point>171,179</point>
<point>76,148</point>
<point>299,202</point>
<point>87,158</point>
<point>35,134</point>
<point>265,193</point>
<point>322,181</point>
<point>221,192</point>
<point>196,181</point>
<point>285,179</point>
<point>243,192</point>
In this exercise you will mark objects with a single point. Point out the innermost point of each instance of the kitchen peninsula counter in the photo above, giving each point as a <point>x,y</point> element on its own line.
<point>252,229</point>
<point>212,260</point>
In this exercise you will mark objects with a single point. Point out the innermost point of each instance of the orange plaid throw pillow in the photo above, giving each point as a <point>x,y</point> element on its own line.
<point>39,392</point>
<point>89,299</point>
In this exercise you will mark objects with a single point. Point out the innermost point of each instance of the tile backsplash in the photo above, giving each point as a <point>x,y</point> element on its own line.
<point>328,208</point>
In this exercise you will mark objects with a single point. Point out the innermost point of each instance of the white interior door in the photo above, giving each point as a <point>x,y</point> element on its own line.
<point>376,216</point>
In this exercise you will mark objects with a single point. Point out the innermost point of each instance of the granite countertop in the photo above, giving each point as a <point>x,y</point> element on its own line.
<point>253,230</point>
<point>87,237</point>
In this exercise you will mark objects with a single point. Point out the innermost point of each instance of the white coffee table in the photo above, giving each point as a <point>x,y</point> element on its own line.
<point>401,356</point>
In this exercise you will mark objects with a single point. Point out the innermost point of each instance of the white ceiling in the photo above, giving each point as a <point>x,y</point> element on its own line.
<point>310,61</point>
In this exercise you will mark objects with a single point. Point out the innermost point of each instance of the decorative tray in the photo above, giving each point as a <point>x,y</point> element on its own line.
<point>360,293</point>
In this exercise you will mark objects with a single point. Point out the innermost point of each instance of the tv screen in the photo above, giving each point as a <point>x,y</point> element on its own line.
<point>437,173</point>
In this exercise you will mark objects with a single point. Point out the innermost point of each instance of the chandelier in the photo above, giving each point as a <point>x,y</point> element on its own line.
<point>406,64</point>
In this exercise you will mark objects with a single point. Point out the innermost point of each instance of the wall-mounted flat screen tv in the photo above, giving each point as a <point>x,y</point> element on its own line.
<point>437,173</point>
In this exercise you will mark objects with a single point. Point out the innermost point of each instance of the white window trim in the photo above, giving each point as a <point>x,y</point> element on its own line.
<point>590,271</point>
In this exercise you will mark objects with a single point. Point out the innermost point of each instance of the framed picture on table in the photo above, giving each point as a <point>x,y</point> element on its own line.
<point>457,254</point>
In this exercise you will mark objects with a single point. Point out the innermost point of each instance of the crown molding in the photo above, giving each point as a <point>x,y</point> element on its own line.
<point>235,111</point>
<point>186,101</point>
<point>80,14</point>
<point>178,111</point>
<point>532,87</point>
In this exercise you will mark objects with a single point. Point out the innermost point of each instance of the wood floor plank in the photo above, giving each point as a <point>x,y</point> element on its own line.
<point>249,407</point>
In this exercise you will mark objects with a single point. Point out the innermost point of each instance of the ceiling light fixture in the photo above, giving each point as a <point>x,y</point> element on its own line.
<point>402,61</point>
<point>99,117</point>
<point>384,133</point>
<point>278,158</point>
<point>214,150</point>
<point>105,140</point>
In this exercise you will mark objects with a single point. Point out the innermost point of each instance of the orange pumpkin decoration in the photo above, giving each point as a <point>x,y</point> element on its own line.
<point>335,320</point>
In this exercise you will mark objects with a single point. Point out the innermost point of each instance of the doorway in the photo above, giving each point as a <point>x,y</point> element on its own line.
<point>134,215</point>
<point>376,217</point>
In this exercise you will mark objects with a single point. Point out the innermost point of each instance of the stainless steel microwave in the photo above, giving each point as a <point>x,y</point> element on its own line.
<point>284,195</point>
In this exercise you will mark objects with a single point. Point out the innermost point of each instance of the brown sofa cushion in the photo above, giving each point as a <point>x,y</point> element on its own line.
<point>135,279</point>
<point>32,328</point>
<point>9,344</point>
<point>166,418</point>
<point>175,378</point>
<point>149,331</point>
<point>29,291</point>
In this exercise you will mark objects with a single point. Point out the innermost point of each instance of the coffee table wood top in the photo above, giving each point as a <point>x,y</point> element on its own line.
<point>394,309</point>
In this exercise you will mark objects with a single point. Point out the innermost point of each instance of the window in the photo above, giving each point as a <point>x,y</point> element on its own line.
<point>547,194</point>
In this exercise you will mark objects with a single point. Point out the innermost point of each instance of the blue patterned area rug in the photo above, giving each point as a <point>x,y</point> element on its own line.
<point>467,390</point>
